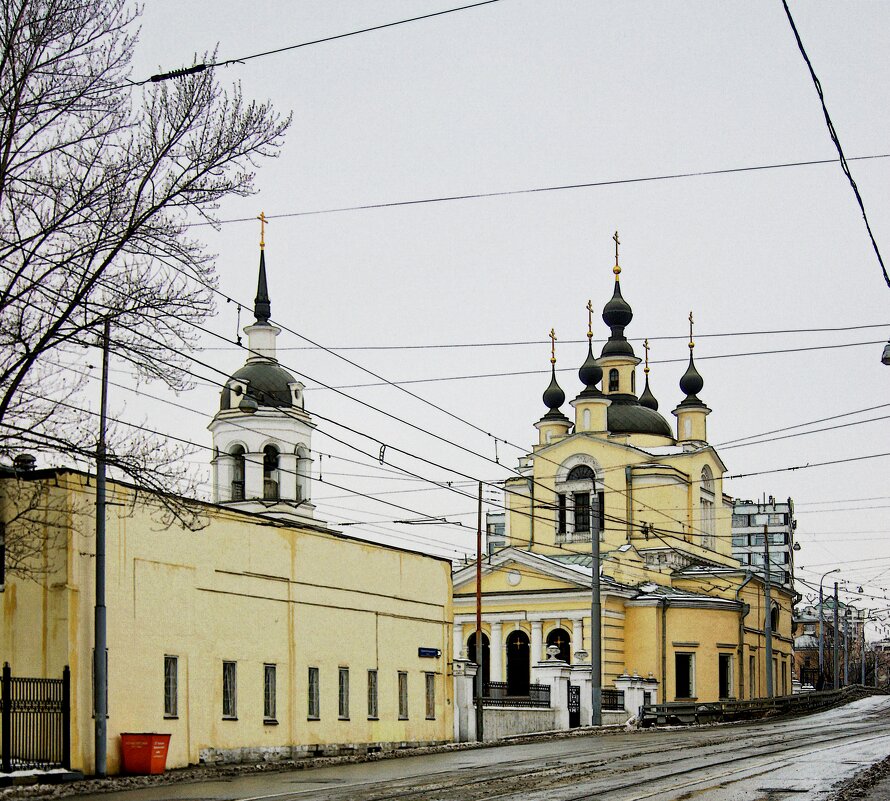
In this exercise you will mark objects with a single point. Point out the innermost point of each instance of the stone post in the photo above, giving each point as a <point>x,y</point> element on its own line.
<point>555,673</point>
<point>458,642</point>
<point>633,687</point>
<point>464,673</point>
<point>581,677</point>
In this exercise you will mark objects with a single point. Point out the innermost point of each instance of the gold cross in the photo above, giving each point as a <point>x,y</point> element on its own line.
<point>646,348</point>
<point>616,269</point>
<point>263,222</point>
<point>590,319</point>
<point>552,346</point>
<point>691,343</point>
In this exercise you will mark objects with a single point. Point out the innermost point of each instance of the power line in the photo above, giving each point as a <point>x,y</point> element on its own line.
<point>837,142</point>
<point>541,189</point>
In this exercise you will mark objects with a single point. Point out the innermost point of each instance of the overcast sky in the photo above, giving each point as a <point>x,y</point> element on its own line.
<point>521,95</point>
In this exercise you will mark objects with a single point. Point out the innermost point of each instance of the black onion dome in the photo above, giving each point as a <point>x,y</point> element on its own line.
<point>553,396</point>
<point>590,372</point>
<point>625,415</point>
<point>267,383</point>
<point>647,399</point>
<point>691,383</point>
<point>617,314</point>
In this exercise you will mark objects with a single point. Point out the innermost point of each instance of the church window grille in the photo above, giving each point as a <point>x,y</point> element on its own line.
<point>343,694</point>
<point>582,513</point>
<point>613,380</point>
<point>238,473</point>
<point>269,693</point>
<point>270,473</point>
<point>171,688</point>
<point>372,695</point>
<point>314,695</point>
<point>430,680</point>
<point>403,696</point>
<point>230,690</point>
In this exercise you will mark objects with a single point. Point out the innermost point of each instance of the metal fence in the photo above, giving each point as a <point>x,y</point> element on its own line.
<point>35,722</point>
<point>495,693</point>
<point>613,699</point>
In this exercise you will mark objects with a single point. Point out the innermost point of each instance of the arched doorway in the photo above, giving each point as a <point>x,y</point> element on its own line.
<point>560,638</point>
<point>471,655</point>
<point>517,663</point>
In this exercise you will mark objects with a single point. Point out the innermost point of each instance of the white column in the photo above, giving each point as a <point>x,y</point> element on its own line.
<point>222,478</point>
<point>458,641</point>
<point>577,636</point>
<point>287,476</point>
<point>253,476</point>
<point>537,645</point>
<point>496,652</point>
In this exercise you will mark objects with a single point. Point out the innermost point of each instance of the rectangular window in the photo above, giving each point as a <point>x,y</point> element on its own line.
<point>725,675</point>
<point>561,514</point>
<point>403,696</point>
<point>314,705</point>
<point>582,512</point>
<point>269,683</point>
<point>343,694</point>
<point>739,520</point>
<point>372,695</point>
<point>739,540</point>
<point>684,673</point>
<point>430,696</point>
<point>171,688</point>
<point>230,690</point>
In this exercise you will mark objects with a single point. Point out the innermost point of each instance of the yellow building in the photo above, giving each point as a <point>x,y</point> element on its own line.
<point>677,609</point>
<point>263,635</point>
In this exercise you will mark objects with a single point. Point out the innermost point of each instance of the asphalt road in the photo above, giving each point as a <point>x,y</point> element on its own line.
<point>800,758</point>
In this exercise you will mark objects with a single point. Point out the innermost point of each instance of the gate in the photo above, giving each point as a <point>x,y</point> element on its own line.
<point>574,706</point>
<point>35,722</point>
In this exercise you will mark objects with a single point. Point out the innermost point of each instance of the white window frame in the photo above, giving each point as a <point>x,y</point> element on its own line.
<point>230,690</point>
<point>403,694</point>
<point>171,686</point>
<point>313,695</point>
<point>373,687</point>
<point>343,693</point>
<point>430,695</point>
<point>270,689</point>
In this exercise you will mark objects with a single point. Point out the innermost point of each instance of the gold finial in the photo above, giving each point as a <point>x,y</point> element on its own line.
<point>616,269</point>
<point>589,320</point>
<point>646,348</point>
<point>263,222</point>
<point>691,341</point>
<point>552,346</point>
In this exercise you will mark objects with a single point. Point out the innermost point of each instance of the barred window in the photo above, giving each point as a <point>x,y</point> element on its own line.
<point>171,688</point>
<point>230,690</point>
<point>403,696</point>
<point>314,706</point>
<point>269,686</point>
<point>430,696</point>
<point>372,695</point>
<point>343,693</point>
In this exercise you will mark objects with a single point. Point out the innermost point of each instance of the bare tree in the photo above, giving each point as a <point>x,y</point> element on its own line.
<point>99,180</point>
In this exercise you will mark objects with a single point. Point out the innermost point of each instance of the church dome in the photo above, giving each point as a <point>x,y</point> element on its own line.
<point>625,415</point>
<point>267,383</point>
<point>617,314</point>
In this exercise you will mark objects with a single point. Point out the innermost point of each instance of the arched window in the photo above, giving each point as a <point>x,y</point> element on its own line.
<point>708,521</point>
<point>237,455</point>
<point>471,655</point>
<point>580,472</point>
<point>579,507</point>
<point>774,619</point>
<point>518,663</point>
<point>613,380</point>
<point>270,473</point>
<point>560,638</point>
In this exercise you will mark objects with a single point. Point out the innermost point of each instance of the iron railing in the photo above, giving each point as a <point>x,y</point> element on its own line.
<point>496,693</point>
<point>613,699</point>
<point>35,718</point>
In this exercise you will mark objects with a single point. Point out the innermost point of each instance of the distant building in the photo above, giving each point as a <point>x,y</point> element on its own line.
<point>749,519</point>
<point>806,627</point>
<point>495,531</point>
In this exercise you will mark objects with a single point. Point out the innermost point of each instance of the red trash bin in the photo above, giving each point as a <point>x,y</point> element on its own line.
<point>144,752</point>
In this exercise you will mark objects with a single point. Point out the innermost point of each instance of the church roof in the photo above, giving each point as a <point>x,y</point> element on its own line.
<point>625,415</point>
<point>267,383</point>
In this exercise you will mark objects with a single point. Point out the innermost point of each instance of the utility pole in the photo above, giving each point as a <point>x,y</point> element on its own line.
<point>596,622</point>
<point>768,623</point>
<point>862,650</point>
<point>100,645</point>
<point>479,652</point>
<point>837,677</point>
<point>822,623</point>
<point>847,647</point>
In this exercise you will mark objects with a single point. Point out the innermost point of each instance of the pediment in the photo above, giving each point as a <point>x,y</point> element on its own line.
<point>514,570</point>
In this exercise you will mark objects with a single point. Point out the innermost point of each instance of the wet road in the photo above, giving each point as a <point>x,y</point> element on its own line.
<point>803,758</point>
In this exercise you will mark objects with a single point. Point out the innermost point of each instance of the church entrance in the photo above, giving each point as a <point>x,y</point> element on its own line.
<point>517,663</point>
<point>471,655</point>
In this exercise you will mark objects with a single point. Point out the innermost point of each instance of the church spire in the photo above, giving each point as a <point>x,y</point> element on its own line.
<point>647,399</point>
<point>590,373</point>
<point>691,383</point>
<point>617,314</point>
<point>262,307</point>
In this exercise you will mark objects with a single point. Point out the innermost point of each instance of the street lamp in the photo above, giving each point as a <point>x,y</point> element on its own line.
<point>821,623</point>
<point>885,357</point>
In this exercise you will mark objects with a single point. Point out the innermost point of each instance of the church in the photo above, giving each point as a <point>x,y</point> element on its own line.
<point>263,634</point>
<point>615,494</point>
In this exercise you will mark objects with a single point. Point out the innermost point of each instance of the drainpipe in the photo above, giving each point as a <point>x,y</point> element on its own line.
<point>628,481</point>
<point>743,612</point>
<point>664,605</point>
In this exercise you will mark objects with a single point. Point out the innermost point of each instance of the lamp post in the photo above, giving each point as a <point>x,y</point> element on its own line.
<point>821,621</point>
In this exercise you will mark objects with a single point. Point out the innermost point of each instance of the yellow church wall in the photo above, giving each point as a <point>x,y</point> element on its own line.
<point>251,593</point>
